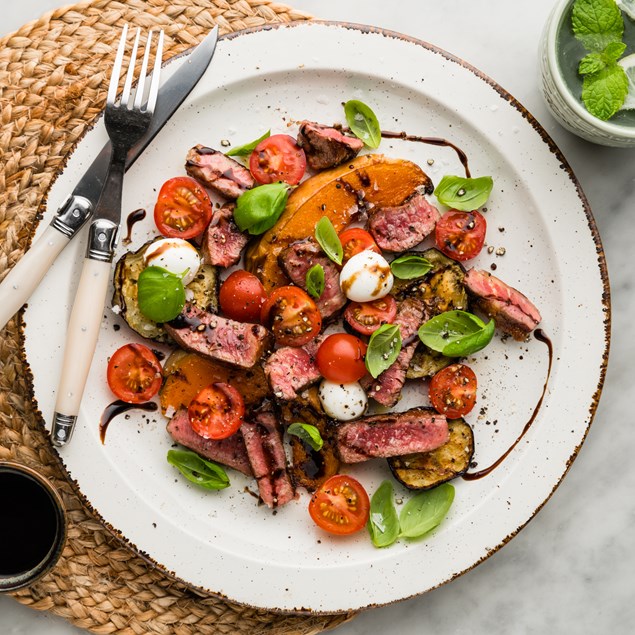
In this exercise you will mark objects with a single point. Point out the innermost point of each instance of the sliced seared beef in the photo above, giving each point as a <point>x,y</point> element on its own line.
<point>386,389</point>
<point>263,441</point>
<point>512,312</point>
<point>326,147</point>
<point>230,452</point>
<point>289,370</point>
<point>218,172</point>
<point>400,228</point>
<point>235,343</point>
<point>298,258</point>
<point>391,434</point>
<point>223,241</point>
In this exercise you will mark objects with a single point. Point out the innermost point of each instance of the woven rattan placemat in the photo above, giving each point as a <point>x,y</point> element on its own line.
<point>53,82</point>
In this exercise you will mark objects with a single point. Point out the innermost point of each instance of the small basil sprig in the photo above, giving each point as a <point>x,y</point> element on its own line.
<point>383,349</point>
<point>248,148</point>
<point>363,122</point>
<point>308,433</point>
<point>383,523</point>
<point>258,209</point>
<point>198,470</point>
<point>315,281</point>
<point>160,294</point>
<point>410,266</point>
<point>456,333</point>
<point>330,242</point>
<point>425,511</point>
<point>462,193</point>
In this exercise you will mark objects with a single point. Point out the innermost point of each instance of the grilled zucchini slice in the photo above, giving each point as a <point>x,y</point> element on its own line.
<point>203,289</point>
<point>426,363</point>
<point>426,470</point>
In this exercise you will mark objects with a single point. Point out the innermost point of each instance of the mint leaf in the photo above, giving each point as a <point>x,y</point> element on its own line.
<point>613,52</point>
<point>597,23</point>
<point>603,92</point>
<point>591,63</point>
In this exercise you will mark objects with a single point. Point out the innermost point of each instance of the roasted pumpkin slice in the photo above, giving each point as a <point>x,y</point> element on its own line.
<point>369,181</point>
<point>203,291</point>
<point>429,469</point>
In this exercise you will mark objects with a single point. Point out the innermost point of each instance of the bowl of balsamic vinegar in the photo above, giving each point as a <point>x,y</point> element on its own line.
<point>32,526</point>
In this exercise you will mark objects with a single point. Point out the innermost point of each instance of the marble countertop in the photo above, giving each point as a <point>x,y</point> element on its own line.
<point>571,569</point>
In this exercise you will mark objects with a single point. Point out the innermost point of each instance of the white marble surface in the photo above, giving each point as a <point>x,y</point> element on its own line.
<point>571,570</point>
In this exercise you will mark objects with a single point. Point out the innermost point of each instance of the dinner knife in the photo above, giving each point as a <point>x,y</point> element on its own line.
<point>23,279</point>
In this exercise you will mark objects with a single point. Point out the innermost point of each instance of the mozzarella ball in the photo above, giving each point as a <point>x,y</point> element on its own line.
<point>366,277</point>
<point>176,255</point>
<point>342,401</point>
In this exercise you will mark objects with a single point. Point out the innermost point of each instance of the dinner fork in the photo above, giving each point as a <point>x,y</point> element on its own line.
<point>126,121</point>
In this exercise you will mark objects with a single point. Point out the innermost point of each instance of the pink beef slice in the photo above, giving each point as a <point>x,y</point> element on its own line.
<point>218,338</point>
<point>218,172</point>
<point>399,228</point>
<point>386,389</point>
<point>326,147</point>
<point>512,312</point>
<point>290,370</point>
<point>298,258</point>
<point>263,440</point>
<point>230,451</point>
<point>391,434</point>
<point>223,242</point>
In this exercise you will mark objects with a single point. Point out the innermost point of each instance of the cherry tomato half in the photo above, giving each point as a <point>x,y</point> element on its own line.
<point>278,158</point>
<point>134,373</point>
<point>340,358</point>
<point>217,411</point>
<point>183,208</point>
<point>367,317</point>
<point>355,240</point>
<point>340,505</point>
<point>291,315</point>
<point>453,390</point>
<point>241,296</point>
<point>460,235</point>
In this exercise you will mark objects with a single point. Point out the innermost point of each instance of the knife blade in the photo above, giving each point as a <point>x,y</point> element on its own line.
<point>78,207</point>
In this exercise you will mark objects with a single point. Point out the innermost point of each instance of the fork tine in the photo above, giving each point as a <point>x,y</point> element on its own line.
<point>116,69</point>
<point>156,72</point>
<point>138,98</point>
<point>127,87</point>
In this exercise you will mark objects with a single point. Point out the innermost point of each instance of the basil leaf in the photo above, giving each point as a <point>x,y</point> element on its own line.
<point>425,511</point>
<point>330,242</point>
<point>462,193</point>
<point>456,333</point>
<point>248,148</point>
<point>308,433</point>
<point>410,266</point>
<point>597,23</point>
<point>383,523</point>
<point>198,470</point>
<point>383,349</point>
<point>258,209</point>
<point>160,294</point>
<point>363,122</point>
<point>315,281</point>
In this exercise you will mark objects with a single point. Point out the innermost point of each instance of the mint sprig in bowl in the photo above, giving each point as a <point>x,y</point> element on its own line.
<point>588,70</point>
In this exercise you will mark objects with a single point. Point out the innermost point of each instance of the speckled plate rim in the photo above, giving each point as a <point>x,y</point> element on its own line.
<point>605,303</point>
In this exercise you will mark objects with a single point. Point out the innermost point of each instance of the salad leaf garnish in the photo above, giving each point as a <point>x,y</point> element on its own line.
<point>198,470</point>
<point>308,433</point>
<point>315,281</point>
<point>383,349</point>
<point>410,266</point>
<point>464,194</point>
<point>383,522</point>
<point>258,209</point>
<point>363,122</point>
<point>328,239</point>
<point>247,148</point>
<point>160,294</point>
<point>456,333</point>
<point>604,91</point>
<point>425,511</point>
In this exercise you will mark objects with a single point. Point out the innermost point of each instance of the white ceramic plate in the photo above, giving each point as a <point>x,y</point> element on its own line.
<point>222,541</point>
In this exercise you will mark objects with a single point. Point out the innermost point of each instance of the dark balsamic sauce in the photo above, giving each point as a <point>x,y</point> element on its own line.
<point>313,466</point>
<point>131,221</point>
<point>540,335</point>
<point>117,408</point>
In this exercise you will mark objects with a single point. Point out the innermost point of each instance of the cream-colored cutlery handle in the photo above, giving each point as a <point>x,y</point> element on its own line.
<point>27,273</point>
<point>81,340</point>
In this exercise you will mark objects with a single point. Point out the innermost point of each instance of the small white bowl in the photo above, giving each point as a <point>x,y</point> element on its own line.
<point>563,104</point>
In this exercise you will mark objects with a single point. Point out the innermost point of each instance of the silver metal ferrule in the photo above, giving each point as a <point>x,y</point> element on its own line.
<point>72,215</point>
<point>62,431</point>
<point>102,240</point>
